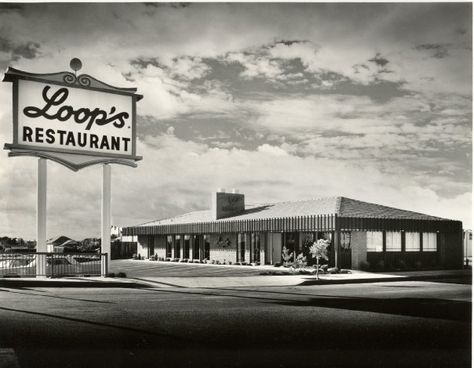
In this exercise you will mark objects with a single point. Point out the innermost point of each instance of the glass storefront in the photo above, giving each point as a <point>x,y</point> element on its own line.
<point>186,245</point>
<point>241,245</point>
<point>255,248</point>
<point>169,245</point>
<point>177,246</point>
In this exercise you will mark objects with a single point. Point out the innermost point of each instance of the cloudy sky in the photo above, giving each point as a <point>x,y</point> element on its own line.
<point>282,101</point>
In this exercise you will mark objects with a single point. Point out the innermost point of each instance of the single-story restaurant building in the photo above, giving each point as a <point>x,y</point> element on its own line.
<point>362,235</point>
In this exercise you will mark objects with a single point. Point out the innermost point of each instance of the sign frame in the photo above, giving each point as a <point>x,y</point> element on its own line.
<point>70,80</point>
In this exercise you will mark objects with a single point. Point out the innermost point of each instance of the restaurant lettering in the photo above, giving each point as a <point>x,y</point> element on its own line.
<point>81,115</point>
<point>74,139</point>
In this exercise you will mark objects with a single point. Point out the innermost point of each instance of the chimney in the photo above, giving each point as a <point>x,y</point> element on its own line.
<point>227,204</point>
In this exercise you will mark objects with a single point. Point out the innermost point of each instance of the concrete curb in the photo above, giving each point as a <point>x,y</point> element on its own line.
<point>69,283</point>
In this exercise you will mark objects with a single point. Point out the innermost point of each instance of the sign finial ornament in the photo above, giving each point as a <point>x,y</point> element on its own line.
<point>75,64</point>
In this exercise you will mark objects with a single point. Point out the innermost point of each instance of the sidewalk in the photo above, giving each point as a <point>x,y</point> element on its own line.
<point>299,280</point>
<point>222,281</point>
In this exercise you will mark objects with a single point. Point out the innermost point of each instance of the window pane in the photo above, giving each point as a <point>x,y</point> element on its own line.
<point>412,242</point>
<point>393,241</point>
<point>374,241</point>
<point>430,242</point>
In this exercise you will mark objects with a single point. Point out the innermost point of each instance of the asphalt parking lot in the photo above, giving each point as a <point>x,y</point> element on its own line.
<point>402,324</point>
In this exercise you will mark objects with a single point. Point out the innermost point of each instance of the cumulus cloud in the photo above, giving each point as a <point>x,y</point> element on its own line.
<point>235,106</point>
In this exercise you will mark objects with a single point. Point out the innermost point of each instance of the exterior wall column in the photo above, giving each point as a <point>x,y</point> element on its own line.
<point>247,247</point>
<point>337,245</point>
<point>191,246</point>
<point>173,246</point>
<point>263,247</point>
<point>337,241</point>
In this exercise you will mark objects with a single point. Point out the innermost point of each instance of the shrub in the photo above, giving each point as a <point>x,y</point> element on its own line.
<point>121,274</point>
<point>380,265</point>
<point>278,264</point>
<point>364,265</point>
<point>402,265</point>
<point>301,261</point>
<point>286,256</point>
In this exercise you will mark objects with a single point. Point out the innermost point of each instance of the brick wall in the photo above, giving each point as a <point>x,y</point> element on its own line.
<point>223,247</point>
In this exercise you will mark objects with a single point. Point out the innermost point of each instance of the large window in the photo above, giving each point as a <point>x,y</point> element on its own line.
<point>207,246</point>
<point>412,242</point>
<point>187,241</point>
<point>169,245</point>
<point>177,246</point>
<point>197,239</point>
<point>241,240</point>
<point>255,246</point>
<point>393,241</point>
<point>430,243</point>
<point>291,242</point>
<point>374,241</point>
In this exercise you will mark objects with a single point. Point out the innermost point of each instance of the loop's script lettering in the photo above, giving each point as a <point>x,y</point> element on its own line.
<point>81,115</point>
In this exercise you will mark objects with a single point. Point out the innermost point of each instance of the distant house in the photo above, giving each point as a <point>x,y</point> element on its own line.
<point>61,244</point>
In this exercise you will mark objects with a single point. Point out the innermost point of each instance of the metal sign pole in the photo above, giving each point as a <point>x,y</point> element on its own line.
<point>41,218</point>
<point>106,214</point>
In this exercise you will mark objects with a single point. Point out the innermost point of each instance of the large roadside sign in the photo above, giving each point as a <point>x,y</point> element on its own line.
<point>65,113</point>
<point>77,121</point>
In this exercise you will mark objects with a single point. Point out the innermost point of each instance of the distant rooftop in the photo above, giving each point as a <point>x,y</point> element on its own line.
<point>341,206</point>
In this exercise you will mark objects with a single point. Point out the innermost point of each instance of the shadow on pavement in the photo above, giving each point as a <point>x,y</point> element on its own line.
<point>19,283</point>
<point>413,307</point>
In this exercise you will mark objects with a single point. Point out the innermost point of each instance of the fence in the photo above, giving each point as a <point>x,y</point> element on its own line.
<point>57,264</point>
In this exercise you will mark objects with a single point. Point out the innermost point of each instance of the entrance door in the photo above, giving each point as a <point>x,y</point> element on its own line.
<point>197,240</point>
<point>207,247</point>
<point>151,246</point>
<point>241,244</point>
<point>345,251</point>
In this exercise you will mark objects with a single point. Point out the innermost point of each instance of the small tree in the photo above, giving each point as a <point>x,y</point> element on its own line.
<point>319,250</point>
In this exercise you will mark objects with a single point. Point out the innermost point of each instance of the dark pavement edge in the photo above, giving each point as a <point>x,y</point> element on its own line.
<point>20,283</point>
<point>439,277</point>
